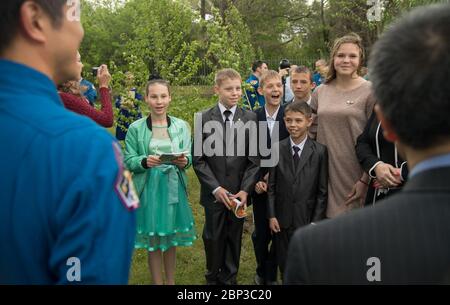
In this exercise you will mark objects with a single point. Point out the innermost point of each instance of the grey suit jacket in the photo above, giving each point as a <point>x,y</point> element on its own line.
<point>234,173</point>
<point>405,239</point>
<point>299,197</point>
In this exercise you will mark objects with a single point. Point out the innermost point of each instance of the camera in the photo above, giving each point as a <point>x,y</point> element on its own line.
<point>285,64</point>
<point>95,71</point>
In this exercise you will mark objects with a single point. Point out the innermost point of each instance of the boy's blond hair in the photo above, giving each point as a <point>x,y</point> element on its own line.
<point>225,74</point>
<point>270,74</point>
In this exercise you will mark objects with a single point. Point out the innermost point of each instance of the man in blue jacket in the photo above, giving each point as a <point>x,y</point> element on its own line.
<point>65,210</point>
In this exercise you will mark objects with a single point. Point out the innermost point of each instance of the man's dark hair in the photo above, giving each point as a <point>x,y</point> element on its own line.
<point>303,69</point>
<point>9,17</point>
<point>410,71</point>
<point>257,64</point>
<point>301,107</point>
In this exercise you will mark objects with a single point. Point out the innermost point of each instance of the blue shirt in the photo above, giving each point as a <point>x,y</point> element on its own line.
<point>318,79</point>
<point>435,162</point>
<point>90,93</point>
<point>59,195</point>
<point>253,96</point>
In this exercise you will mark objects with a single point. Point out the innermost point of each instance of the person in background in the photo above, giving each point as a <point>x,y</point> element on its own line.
<point>73,99</point>
<point>321,72</point>
<point>253,98</point>
<point>129,110</point>
<point>302,84</point>
<point>88,90</point>
<point>164,220</point>
<point>381,161</point>
<point>286,77</point>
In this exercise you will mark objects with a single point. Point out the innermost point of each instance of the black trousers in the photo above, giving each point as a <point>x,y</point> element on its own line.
<point>266,265</point>
<point>281,240</point>
<point>222,238</point>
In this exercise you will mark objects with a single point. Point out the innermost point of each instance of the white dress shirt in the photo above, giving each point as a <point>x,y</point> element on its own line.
<point>301,145</point>
<point>271,119</point>
<point>223,109</point>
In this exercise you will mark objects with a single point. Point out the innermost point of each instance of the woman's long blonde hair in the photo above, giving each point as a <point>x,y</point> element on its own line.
<point>73,87</point>
<point>349,38</point>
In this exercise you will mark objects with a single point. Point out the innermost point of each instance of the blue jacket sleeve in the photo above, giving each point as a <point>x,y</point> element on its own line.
<point>98,231</point>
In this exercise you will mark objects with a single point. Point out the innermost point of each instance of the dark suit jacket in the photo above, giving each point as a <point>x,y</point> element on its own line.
<point>409,233</point>
<point>234,173</point>
<point>366,151</point>
<point>297,198</point>
<point>283,133</point>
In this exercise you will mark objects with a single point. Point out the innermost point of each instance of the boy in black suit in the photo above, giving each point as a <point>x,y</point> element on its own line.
<point>225,175</point>
<point>298,185</point>
<point>271,124</point>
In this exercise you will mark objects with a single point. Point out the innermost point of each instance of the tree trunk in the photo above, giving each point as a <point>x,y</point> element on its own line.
<point>203,9</point>
<point>325,32</point>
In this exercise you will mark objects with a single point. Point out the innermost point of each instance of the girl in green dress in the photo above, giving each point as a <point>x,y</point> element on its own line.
<point>158,151</point>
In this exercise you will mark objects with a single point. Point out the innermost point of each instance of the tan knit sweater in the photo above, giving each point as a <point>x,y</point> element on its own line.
<point>341,117</point>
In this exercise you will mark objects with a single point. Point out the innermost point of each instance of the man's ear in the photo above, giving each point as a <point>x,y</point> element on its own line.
<point>34,21</point>
<point>388,131</point>
<point>216,89</point>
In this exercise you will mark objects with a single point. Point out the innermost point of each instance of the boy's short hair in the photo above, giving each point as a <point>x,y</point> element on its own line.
<point>301,107</point>
<point>224,74</point>
<point>302,69</point>
<point>270,74</point>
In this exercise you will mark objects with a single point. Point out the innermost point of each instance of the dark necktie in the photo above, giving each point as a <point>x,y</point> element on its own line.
<point>227,114</point>
<point>296,157</point>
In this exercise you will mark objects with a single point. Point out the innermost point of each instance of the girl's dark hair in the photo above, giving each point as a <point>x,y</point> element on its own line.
<point>157,81</point>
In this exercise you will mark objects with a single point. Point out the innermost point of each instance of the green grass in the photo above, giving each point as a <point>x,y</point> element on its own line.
<point>191,263</point>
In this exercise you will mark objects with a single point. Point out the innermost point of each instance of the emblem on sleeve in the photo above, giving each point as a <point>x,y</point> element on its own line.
<point>124,185</point>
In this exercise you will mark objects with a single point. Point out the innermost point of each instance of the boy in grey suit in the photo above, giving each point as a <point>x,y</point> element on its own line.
<point>225,175</point>
<point>298,185</point>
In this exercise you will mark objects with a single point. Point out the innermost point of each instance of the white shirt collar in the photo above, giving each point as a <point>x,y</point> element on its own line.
<point>274,116</point>
<point>308,101</point>
<point>223,108</point>
<point>301,145</point>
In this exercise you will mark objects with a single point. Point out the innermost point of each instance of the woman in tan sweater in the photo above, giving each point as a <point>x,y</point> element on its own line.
<point>342,106</point>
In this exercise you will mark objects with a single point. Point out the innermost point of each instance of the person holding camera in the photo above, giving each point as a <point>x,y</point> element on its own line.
<point>73,99</point>
<point>284,70</point>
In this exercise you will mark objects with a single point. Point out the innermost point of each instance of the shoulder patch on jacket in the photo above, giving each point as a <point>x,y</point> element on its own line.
<point>124,185</point>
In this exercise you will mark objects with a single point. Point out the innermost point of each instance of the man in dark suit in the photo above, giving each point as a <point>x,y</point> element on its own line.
<point>227,171</point>
<point>298,184</point>
<point>404,239</point>
<point>270,122</point>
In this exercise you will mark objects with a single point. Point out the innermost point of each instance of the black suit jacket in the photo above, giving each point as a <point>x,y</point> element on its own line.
<point>409,233</point>
<point>299,197</point>
<point>366,150</point>
<point>234,173</point>
<point>283,133</point>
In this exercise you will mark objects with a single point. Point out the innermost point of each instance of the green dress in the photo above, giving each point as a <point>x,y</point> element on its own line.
<point>164,218</point>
